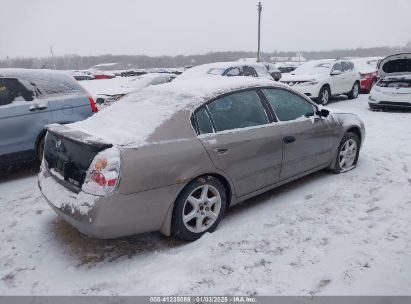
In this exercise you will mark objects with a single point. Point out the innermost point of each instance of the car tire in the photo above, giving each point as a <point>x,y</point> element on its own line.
<point>324,95</point>
<point>347,154</point>
<point>199,208</point>
<point>355,90</point>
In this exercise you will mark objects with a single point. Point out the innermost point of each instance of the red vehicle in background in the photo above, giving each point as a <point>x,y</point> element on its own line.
<point>368,70</point>
<point>103,75</point>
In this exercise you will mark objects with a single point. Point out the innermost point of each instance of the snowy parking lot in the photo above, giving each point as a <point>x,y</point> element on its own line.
<point>327,234</point>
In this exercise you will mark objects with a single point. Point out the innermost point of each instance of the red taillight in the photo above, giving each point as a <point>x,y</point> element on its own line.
<point>103,174</point>
<point>366,75</point>
<point>98,178</point>
<point>112,182</point>
<point>93,105</point>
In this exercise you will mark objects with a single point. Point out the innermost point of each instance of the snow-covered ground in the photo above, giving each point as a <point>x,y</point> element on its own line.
<point>346,234</point>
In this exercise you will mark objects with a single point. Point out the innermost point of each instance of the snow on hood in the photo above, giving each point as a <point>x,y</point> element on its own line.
<point>130,121</point>
<point>303,76</point>
<point>395,65</point>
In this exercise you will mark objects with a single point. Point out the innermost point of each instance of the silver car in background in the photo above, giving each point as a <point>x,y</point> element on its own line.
<point>29,101</point>
<point>227,69</point>
<point>174,157</point>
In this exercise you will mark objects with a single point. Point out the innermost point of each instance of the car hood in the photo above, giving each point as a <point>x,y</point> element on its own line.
<point>394,65</point>
<point>303,77</point>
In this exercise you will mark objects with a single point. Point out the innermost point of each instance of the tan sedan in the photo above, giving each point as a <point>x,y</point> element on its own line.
<point>174,157</point>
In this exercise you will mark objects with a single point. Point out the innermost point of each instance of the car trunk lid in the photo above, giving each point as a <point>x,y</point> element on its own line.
<point>68,154</point>
<point>395,65</point>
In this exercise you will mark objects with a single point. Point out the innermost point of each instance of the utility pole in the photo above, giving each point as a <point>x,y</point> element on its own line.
<point>260,8</point>
<point>52,57</point>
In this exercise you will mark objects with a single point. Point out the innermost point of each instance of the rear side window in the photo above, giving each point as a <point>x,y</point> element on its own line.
<point>337,67</point>
<point>204,125</point>
<point>50,87</point>
<point>238,110</point>
<point>288,106</point>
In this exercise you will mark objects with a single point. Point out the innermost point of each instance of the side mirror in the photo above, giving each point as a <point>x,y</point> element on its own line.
<point>335,72</point>
<point>323,113</point>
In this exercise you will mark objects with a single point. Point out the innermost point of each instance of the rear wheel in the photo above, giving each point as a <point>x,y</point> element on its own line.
<point>199,208</point>
<point>353,94</point>
<point>348,152</point>
<point>324,95</point>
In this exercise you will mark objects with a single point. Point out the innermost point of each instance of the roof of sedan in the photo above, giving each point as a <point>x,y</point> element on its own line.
<point>130,121</point>
<point>209,87</point>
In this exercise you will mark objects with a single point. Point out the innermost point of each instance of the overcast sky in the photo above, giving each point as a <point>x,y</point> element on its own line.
<point>172,27</point>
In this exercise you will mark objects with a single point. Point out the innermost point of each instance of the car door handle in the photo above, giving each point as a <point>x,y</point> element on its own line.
<point>221,151</point>
<point>288,139</point>
<point>37,107</point>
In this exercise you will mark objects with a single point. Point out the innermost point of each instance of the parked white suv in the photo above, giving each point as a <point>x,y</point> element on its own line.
<point>393,90</point>
<point>321,79</point>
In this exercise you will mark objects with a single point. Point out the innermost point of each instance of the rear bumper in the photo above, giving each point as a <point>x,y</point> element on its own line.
<point>381,100</point>
<point>113,215</point>
<point>366,84</point>
<point>389,106</point>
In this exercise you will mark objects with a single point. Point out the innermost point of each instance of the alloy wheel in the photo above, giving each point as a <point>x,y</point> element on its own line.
<point>355,90</point>
<point>347,155</point>
<point>325,97</point>
<point>201,208</point>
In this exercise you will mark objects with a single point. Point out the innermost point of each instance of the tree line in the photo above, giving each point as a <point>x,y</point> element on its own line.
<point>77,62</point>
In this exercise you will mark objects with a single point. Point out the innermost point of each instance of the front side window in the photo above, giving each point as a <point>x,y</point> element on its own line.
<point>233,72</point>
<point>238,110</point>
<point>262,71</point>
<point>288,106</point>
<point>204,125</point>
<point>12,90</point>
<point>249,71</point>
<point>338,67</point>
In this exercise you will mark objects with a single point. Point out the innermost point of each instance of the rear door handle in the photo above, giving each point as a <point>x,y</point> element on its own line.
<point>288,139</point>
<point>221,151</point>
<point>37,107</point>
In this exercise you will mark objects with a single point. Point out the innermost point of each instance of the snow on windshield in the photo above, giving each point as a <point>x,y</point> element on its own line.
<point>313,65</point>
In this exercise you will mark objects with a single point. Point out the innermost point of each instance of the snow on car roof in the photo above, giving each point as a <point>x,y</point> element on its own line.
<point>130,121</point>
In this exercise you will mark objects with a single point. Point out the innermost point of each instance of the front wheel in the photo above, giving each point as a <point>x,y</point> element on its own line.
<point>199,208</point>
<point>348,152</point>
<point>353,94</point>
<point>324,96</point>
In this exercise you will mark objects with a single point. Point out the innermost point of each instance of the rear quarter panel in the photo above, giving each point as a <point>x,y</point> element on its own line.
<point>162,164</point>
